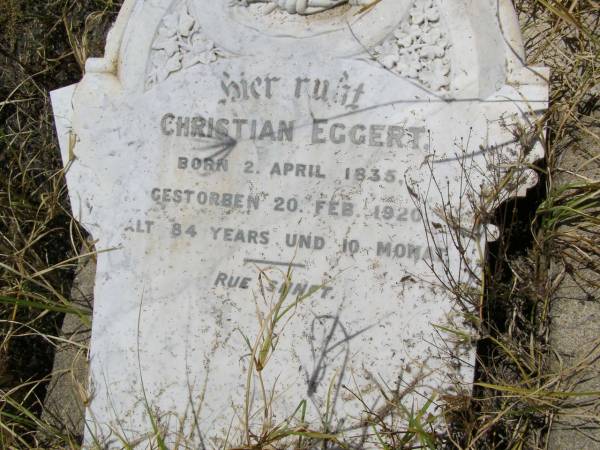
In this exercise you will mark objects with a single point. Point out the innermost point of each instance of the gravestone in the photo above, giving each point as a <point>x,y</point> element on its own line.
<point>290,203</point>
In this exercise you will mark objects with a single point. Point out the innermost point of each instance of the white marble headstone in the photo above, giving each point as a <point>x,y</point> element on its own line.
<point>357,147</point>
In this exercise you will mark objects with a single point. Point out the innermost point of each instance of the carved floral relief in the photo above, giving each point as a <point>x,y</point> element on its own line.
<point>418,49</point>
<point>179,44</point>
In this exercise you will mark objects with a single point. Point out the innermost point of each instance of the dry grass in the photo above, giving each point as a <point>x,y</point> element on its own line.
<point>43,46</point>
<point>39,51</point>
<point>518,394</point>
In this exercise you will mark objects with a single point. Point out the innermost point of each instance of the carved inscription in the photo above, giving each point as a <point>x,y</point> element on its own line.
<point>323,131</point>
<point>185,206</point>
<point>339,92</point>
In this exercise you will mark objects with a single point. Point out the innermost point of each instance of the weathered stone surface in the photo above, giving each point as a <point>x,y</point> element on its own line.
<point>575,312</point>
<point>64,406</point>
<point>214,147</point>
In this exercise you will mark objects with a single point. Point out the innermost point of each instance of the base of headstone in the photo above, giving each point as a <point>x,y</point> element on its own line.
<point>575,328</point>
<point>64,407</point>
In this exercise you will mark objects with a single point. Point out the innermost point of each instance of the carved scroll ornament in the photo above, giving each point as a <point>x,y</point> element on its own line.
<point>303,7</point>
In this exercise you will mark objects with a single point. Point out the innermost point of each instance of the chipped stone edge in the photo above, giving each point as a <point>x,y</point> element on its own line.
<point>109,63</point>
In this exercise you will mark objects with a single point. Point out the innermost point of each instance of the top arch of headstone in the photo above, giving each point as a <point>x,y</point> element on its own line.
<point>473,47</point>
